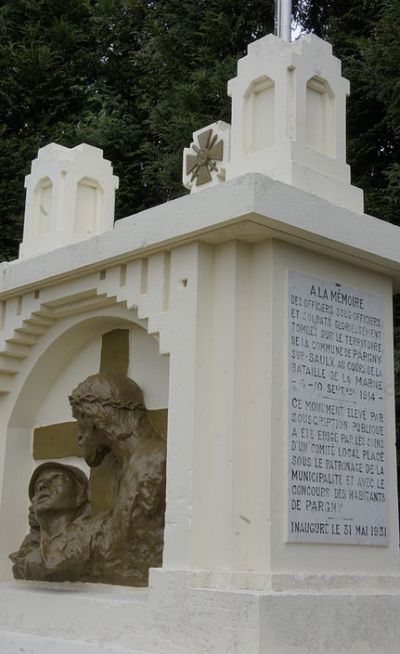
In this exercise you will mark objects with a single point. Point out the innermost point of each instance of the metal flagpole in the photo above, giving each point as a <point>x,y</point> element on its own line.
<point>283,19</point>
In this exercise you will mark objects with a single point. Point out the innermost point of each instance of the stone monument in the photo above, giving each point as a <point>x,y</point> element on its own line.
<point>255,314</point>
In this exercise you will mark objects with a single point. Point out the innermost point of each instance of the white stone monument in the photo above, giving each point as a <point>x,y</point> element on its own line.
<point>260,315</point>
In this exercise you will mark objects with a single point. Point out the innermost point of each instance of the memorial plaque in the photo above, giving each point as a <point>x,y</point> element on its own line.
<point>337,485</point>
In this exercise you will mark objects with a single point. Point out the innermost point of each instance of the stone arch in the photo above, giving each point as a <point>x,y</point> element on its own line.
<point>88,206</point>
<point>258,123</point>
<point>63,340</point>
<point>142,286</point>
<point>320,116</point>
<point>42,207</point>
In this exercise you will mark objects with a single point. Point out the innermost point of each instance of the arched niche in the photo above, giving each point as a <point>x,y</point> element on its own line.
<point>258,118</point>
<point>88,206</point>
<point>42,207</point>
<point>69,352</point>
<point>320,117</point>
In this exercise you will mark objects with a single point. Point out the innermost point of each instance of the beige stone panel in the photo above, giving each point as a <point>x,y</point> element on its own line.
<point>115,351</point>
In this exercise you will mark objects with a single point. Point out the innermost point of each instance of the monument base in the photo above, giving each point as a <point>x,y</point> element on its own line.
<point>14,643</point>
<point>172,617</point>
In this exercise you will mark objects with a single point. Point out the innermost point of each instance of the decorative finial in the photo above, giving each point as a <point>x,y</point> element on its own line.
<point>204,162</point>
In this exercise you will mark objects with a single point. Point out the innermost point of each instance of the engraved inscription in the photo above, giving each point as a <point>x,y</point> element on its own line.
<point>337,484</point>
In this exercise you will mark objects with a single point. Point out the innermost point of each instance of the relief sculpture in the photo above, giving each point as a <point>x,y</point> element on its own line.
<point>67,542</point>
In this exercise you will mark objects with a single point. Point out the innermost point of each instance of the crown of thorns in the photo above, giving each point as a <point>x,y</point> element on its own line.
<point>117,391</point>
<point>76,399</point>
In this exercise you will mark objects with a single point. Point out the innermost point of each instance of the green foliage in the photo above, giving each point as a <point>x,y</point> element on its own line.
<point>188,53</point>
<point>43,88</point>
<point>133,77</point>
<point>365,36</point>
<point>137,77</point>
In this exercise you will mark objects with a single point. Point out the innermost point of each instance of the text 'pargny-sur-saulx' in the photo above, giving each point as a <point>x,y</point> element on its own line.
<point>337,489</point>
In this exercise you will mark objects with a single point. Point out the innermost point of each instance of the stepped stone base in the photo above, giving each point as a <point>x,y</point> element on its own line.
<point>14,643</point>
<point>173,618</point>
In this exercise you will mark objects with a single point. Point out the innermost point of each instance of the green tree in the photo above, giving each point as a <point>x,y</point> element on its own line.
<point>365,35</point>
<point>189,52</point>
<point>133,77</point>
<point>381,66</point>
<point>137,77</point>
<point>43,88</point>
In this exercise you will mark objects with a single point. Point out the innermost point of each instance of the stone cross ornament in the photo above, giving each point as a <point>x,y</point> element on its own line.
<point>67,541</point>
<point>208,151</point>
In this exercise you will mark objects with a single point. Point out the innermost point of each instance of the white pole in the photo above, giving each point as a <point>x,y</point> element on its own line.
<point>278,17</point>
<point>283,19</point>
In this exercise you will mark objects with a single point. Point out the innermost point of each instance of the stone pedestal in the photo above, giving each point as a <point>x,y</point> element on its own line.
<point>70,196</point>
<point>213,284</point>
<point>289,117</point>
<point>288,122</point>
